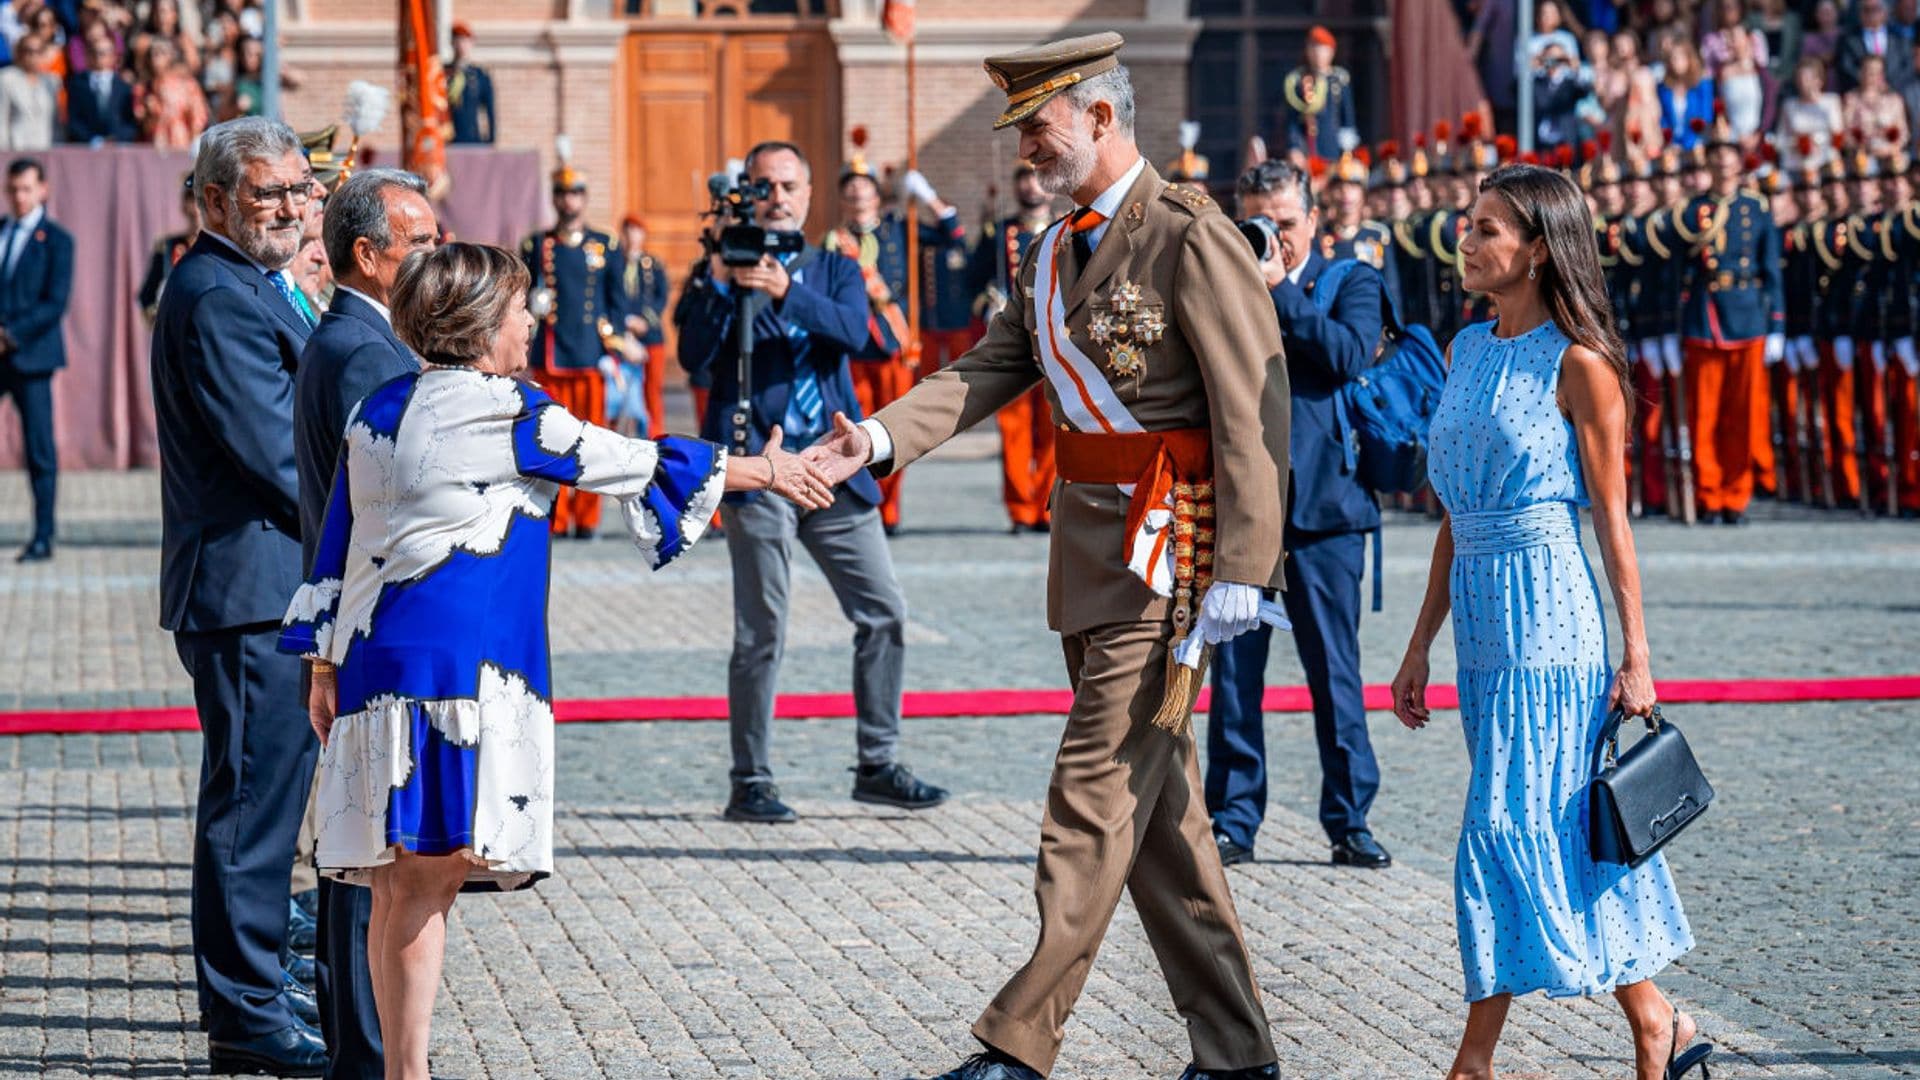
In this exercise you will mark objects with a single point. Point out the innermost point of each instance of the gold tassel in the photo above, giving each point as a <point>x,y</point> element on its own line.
<point>1183,692</point>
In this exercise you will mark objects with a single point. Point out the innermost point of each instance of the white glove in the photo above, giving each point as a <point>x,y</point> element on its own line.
<point>916,186</point>
<point>1670,348</point>
<point>1776,348</point>
<point>1843,353</point>
<point>1265,611</point>
<point>1878,351</point>
<point>1903,348</point>
<point>1802,352</point>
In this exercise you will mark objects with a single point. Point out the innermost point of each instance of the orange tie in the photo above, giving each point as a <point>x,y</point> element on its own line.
<point>1084,221</point>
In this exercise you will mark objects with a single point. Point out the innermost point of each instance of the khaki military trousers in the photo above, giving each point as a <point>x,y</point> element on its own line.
<point>1125,812</point>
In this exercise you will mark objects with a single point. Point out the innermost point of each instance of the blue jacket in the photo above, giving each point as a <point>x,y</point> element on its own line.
<point>470,103</point>
<point>1324,353</point>
<point>585,295</point>
<point>642,285</point>
<point>828,300</point>
<point>1731,293</point>
<point>225,348</point>
<point>33,299</point>
<point>351,353</point>
<point>87,120</point>
<point>937,236</point>
<point>1699,107</point>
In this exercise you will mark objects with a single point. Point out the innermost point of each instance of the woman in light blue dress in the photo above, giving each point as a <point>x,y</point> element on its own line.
<point>1531,427</point>
<point>424,618</point>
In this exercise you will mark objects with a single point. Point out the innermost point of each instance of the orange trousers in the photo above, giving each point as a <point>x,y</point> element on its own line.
<point>582,392</point>
<point>1652,465</point>
<point>1843,440</point>
<point>1026,458</point>
<point>654,392</point>
<point>943,347</point>
<point>1727,399</point>
<point>1906,413</point>
<point>876,384</point>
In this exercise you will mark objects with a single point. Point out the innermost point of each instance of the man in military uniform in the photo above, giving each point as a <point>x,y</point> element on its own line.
<point>1317,102</point>
<point>1348,232</point>
<point>1143,315</point>
<point>638,407</point>
<point>1616,233</point>
<point>469,91</point>
<point>1732,320</point>
<point>1900,239</point>
<point>1026,424</point>
<point>575,298</point>
<point>167,250</point>
<point>887,365</point>
<point>1841,289</point>
<point>1192,167</point>
<point>1801,277</point>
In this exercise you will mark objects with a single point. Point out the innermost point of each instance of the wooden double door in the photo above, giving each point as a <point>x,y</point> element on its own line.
<point>699,97</point>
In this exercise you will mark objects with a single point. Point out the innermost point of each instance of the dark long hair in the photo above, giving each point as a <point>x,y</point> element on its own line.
<point>1547,204</point>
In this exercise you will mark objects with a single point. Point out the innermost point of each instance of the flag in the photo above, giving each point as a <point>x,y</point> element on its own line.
<point>425,120</point>
<point>897,18</point>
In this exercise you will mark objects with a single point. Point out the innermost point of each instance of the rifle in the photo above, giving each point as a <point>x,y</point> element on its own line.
<point>1683,443</point>
<point>1862,432</point>
<point>1805,423</point>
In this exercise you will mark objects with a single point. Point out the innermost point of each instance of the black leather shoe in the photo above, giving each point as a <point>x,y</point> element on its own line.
<point>1361,849</point>
<point>37,551</point>
<point>302,930</point>
<point>309,902</point>
<point>295,1050</point>
<point>1733,517</point>
<point>895,785</point>
<point>1231,854</point>
<point>300,999</point>
<point>990,1065</point>
<point>1258,1072</point>
<point>759,801</point>
<point>300,967</point>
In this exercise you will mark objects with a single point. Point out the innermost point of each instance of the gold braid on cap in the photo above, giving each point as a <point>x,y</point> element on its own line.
<point>1060,82</point>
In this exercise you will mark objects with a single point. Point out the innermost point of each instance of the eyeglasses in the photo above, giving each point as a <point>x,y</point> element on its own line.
<point>300,193</point>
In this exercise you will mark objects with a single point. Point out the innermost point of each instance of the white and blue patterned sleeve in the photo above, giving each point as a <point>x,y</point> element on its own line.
<point>307,628</point>
<point>668,490</point>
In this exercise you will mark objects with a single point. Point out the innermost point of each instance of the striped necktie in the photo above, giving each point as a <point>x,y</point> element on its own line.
<point>291,295</point>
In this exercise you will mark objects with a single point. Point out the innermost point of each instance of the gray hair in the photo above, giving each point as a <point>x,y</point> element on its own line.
<point>1115,87</point>
<point>1273,176</point>
<point>226,148</point>
<point>358,208</point>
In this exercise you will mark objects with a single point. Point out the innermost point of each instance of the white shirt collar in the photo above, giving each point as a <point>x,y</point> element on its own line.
<point>1293,275</point>
<point>1108,203</point>
<point>385,313</point>
<point>222,238</point>
<point>31,221</point>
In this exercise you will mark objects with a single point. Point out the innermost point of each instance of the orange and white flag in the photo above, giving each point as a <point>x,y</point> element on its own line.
<point>897,18</point>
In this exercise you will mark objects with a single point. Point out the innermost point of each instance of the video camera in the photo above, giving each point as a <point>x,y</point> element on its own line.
<point>743,243</point>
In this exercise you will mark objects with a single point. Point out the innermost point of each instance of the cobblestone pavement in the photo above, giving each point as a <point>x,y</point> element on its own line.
<point>862,943</point>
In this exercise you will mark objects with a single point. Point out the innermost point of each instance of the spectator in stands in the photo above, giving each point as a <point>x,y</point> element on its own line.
<point>1811,110</point>
<point>1910,93</point>
<point>95,17</point>
<point>1780,25</point>
<point>1628,94</point>
<point>1872,39</point>
<point>29,96</point>
<point>171,108</point>
<point>1875,110</point>
<point>99,101</point>
<point>1685,93</point>
<point>1822,42</point>
<point>1729,24</point>
<point>44,23</point>
<point>1491,43</point>
<point>1745,87</point>
<point>219,59</point>
<point>1550,29</point>
<point>1557,90</point>
<point>1905,20</point>
<point>163,24</point>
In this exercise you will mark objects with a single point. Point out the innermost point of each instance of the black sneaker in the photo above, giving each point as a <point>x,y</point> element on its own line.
<point>895,785</point>
<point>759,801</point>
<point>1231,854</point>
<point>1361,849</point>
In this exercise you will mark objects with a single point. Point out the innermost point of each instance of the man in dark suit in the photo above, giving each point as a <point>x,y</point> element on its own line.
<point>99,101</point>
<point>36,274</point>
<point>373,222</point>
<point>809,311</point>
<point>227,339</point>
<point>469,91</point>
<point>1874,37</point>
<point>1328,517</point>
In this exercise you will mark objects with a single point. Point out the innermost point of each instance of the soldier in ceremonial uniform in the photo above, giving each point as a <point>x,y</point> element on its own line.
<point>886,366</point>
<point>1026,424</point>
<point>1192,167</point>
<point>1617,234</point>
<point>1842,290</point>
<point>1800,281</point>
<point>642,285</point>
<point>1900,239</point>
<point>575,300</point>
<point>1317,102</point>
<point>1732,320</point>
<point>469,91</point>
<point>1143,315</point>
<point>1348,232</point>
<point>168,249</point>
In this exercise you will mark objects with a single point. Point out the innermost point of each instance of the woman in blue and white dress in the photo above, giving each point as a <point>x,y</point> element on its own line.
<point>1531,427</point>
<point>425,616</point>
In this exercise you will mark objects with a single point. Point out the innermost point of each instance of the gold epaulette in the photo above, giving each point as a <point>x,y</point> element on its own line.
<point>1438,245</point>
<point>1403,235</point>
<point>1820,246</point>
<point>1855,225</point>
<point>1655,223</point>
<point>1183,196</point>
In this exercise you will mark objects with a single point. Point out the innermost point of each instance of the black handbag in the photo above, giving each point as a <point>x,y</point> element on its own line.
<point>1643,798</point>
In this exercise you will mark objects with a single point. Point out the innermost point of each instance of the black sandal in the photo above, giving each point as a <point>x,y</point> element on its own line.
<point>1678,1064</point>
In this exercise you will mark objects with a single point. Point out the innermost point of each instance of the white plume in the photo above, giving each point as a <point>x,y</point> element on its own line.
<point>367,105</point>
<point>1189,134</point>
<point>1349,140</point>
<point>563,148</point>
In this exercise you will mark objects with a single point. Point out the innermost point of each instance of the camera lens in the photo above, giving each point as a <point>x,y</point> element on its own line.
<point>1262,236</point>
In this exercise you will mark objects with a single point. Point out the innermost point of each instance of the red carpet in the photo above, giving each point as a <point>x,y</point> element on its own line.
<point>996,703</point>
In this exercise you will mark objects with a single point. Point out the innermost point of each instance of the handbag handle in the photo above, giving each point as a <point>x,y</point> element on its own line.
<point>1608,752</point>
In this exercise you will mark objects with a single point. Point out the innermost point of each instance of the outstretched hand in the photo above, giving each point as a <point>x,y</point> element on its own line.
<point>796,479</point>
<point>842,452</point>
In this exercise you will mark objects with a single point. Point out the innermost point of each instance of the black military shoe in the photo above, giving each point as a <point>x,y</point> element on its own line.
<point>295,1050</point>
<point>302,930</point>
<point>1258,1072</point>
<point>1733,517</point>
<point>1231,854</point>
<point>759,801</point>
<point>1361,849</point>
<point>309,902</point>
<point>300,1000</point>
<point>895,785</point>
<point>37,551</point>
<point>300,967</point>
<point>990,1065</point>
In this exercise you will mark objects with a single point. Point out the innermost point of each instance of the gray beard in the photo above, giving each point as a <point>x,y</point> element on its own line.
<point>259,246</point>
<point>1066,173</point>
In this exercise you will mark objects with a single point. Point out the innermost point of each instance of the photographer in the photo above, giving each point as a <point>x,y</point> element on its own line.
<point>1328,517</point>
<point>808,310</point>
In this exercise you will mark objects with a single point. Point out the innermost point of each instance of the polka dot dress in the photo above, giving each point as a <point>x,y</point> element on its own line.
<point>1535,911</point>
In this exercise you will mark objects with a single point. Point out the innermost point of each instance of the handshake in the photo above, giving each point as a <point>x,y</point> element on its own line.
<point>808,478</point>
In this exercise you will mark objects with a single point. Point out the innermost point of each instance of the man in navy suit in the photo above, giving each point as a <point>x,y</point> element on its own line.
<point>373,222</point>
<point>227,340</point>
<point>36,274</point>
<point>809,311</point>
<point>99,101</point>
<point>1328,517</point>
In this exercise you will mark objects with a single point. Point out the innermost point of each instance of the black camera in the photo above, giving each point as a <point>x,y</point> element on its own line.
<point>1263,235</point>
<point>743,242</point>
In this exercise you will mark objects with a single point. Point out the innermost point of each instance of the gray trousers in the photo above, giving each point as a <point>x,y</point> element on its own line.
<point>850,547</point>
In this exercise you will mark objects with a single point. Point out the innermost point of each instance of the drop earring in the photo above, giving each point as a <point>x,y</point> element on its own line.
<point>1530,270</point>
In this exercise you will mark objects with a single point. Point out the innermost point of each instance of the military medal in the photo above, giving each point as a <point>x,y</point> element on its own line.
<point>596,255</point>
<point>1126,327</point>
